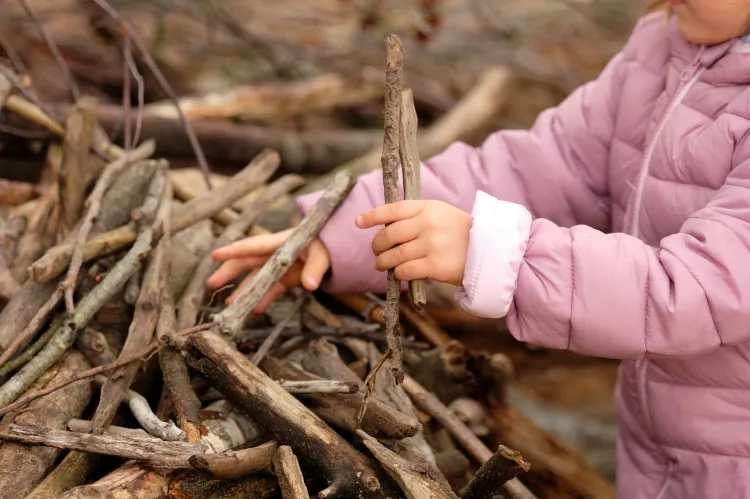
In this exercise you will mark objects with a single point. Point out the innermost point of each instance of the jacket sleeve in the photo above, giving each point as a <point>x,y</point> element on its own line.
<point>614,296</point>
<point>557,170</point>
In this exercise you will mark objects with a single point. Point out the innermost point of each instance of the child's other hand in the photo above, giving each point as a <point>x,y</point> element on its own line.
<point>251,253</point>
<point>426,240</point>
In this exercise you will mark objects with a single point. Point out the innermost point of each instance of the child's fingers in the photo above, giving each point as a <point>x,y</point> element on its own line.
<point>400,255</point>
<point>245,282</point>
<point>316,265</point>
<point>397,233</point>
<point>251,246</point>
<point>276,291</point>
<point>231,269</point>
<point>413,270</point>
<point>389,213</point>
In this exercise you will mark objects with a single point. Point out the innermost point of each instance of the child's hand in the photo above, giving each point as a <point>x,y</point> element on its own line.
<point>251,253</point>
<point>432,239</point>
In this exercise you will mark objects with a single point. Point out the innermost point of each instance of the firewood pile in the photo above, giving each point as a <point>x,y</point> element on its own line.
<point>122,376</point>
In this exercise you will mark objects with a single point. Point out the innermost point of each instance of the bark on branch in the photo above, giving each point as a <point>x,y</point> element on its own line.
<point>232,318</point>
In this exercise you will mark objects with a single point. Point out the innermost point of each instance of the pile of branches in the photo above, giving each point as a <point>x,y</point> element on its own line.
<point>106,317</point>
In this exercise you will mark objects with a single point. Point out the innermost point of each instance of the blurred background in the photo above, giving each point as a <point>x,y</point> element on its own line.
<point>305,77</point>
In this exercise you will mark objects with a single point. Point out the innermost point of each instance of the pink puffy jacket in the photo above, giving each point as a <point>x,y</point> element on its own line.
<point>618,226</point>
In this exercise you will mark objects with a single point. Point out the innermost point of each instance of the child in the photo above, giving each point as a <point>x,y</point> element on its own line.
<point>618,226</point>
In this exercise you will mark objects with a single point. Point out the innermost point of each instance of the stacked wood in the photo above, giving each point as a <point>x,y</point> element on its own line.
<point>111,346</point>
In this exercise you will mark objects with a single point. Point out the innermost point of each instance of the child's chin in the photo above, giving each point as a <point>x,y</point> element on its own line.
<point>700,35</point>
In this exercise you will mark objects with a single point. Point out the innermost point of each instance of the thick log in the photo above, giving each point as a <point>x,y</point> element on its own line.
<point>22,467</point>
<point>348,472</point>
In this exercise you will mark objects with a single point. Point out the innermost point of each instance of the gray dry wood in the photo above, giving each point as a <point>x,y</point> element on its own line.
<point>255,174</point>
<point>232,319</point>
<point>113,282</point>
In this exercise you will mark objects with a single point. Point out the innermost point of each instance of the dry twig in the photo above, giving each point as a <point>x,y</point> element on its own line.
<point>233,317</point>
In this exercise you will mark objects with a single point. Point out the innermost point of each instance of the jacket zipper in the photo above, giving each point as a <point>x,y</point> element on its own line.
<point>688,79</point>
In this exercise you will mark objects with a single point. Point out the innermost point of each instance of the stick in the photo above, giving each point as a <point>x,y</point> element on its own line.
<point>504,465</point>
<point>175,372</point>
<point>165,430</point>
<point>370,383</point>
<point>463,435</point>
<point>232,318</point>
<point>348,472</point>
<point>145,317</point>
<point>236,464</point>
<point>35,348</point>
<point>94,345</point>
<point>252,176</point>
<point>87,308</point>
<point>77,169</point>
<point>72,471</point>
<point>390,165</point>
<point>150,450</point>
<point>413,480</point>
<point>26,399</point>
<point>94,202</point>
<point>12,192</point>
<point>411,173</point>
<point>130,33</point>
<point>271,339</point>
<point>196,288</point>
<point>287,470</point>
<point>132,480</point>
<point>320,386</point>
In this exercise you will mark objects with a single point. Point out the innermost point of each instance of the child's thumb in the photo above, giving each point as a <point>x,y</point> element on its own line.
<point>316,265</point>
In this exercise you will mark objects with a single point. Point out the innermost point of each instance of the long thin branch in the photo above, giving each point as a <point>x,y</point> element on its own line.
<point>144,52</point>
<point>110,174</point>
<point>390,163</point>
<point>233,317</point>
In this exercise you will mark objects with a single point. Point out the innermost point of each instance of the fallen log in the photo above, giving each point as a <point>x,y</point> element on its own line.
<point>346,470</point>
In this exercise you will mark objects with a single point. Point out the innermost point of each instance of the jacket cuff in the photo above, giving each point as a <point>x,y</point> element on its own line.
<point>497,243</point>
